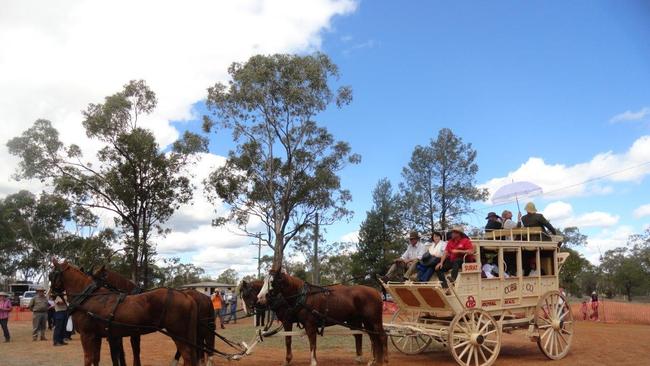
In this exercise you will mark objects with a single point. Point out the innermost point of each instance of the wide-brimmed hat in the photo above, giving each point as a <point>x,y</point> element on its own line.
<point>492,214</point>
<point>40,288</point>
<point>530,208</point>
<point>458,229</point>
<point>3,293</point>
<point>414,235</point>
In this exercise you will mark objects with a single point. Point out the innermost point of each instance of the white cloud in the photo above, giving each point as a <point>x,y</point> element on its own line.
<point>642,211</point>
<point>605,240</point>
<point>57,58</point>
<point>561,214</point>
<point>559,180</point>
<point>631,115</point>
<point>558,210</point>
<point>351,237</point>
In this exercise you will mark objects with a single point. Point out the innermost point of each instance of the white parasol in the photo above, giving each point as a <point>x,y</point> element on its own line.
<point>514,191</point>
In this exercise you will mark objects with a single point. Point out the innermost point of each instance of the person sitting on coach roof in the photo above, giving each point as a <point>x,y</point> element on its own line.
<point>493,223</point>
<point>506,218</point>
<point>534,219</point>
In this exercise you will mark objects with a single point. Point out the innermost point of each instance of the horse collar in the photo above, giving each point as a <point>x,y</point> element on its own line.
<point>77,300</point>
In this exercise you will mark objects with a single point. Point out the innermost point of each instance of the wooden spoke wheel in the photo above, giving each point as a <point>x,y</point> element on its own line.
<point>474,338</point>
<point>408,341</point>
<point>554,323</point>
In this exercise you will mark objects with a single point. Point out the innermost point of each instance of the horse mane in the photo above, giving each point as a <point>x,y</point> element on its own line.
<point>115,279</point>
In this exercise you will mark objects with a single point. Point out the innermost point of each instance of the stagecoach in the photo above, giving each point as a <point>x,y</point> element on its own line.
<point>470,317</point>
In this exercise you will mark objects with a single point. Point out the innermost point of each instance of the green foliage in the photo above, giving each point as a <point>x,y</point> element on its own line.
<point>173,273</point>
<point>35,228</point>
<point>573,237</point>
<point>228,276</point>
<point>136,181</point>
<point>626,268</point>
<point>381,235</point>
<point>572,271</point>
<point>440,182</point>
<point>284,168</point>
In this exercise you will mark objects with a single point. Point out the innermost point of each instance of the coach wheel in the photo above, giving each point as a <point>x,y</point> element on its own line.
<point>408,341</point>
<point>474,338</point>
<point>554,323</point>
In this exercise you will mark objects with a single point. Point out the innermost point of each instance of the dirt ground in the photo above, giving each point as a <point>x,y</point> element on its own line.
<point>594,344</point>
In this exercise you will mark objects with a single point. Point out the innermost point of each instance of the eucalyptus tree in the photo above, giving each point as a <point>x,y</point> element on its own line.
<point>133,178</point>
<point>440,180</point>
<point>283,171</point>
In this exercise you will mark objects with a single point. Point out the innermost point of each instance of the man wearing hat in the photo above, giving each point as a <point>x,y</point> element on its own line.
<point>494,222</point>
<point>39,305</point>
<point>408,261</point>
<point>5,309</point>
<point>534,219</point>
<point>459,248</point>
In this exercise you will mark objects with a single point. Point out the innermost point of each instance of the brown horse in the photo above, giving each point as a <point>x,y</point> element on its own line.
<point>205,331</point>
<point>357,307</point>
<point>92,307</point>
<point>249,292</point>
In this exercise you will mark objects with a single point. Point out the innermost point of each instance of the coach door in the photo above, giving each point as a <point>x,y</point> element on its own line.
<point>510,272</point>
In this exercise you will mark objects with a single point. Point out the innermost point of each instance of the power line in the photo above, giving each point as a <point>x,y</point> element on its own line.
<point>485,208</point>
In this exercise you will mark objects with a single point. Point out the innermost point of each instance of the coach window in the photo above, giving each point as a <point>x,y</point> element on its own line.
<point>489,263</point>
<point>510,262</point>
<point>546,261</point>
<point>530,263</point>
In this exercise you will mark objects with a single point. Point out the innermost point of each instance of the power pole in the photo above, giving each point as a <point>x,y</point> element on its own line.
<point>316,264</point>
<point>259,255</point>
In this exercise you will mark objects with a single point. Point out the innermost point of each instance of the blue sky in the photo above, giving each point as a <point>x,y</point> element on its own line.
<point>516,79</point>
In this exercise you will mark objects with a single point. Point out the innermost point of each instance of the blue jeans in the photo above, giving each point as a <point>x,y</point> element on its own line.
<point>60,318</point>
<point>425,272</point>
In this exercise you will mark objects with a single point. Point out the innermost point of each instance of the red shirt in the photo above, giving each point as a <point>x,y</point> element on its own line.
<point>460,244</point>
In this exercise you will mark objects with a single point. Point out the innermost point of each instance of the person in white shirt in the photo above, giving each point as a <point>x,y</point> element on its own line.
<point>408,261</point>
<point>427,264</point>
<point>508,224</point>
<point>490,270</point>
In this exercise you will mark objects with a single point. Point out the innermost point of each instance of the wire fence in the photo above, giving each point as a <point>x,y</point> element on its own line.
<point>612,312</point>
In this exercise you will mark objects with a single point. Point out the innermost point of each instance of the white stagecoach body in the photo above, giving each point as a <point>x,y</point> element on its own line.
<point>523,294</point>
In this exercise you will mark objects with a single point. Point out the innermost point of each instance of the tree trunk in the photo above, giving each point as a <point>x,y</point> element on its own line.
<point>135,274</point>
<point>279,249</point>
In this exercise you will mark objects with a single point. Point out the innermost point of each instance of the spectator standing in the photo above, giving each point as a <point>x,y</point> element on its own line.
<point>60,316</point>
<point>594,306</point>
<point>217,304</point>
<point>5,309</point>
<point>584,309</point>
<point>50,313</point>
<point>225,296</point>
<point>39,305</point>
<point>233,308</point>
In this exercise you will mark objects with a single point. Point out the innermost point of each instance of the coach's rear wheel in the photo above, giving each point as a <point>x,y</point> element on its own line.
<point>408,341</point>
<point>554,323</point>
<point>474,338</point>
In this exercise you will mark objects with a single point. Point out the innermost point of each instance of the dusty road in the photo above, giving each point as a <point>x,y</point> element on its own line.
<point>594,344</point>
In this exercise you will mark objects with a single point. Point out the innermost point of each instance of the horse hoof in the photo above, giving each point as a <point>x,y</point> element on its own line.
<point>358,359</point>
<point>174,363</point>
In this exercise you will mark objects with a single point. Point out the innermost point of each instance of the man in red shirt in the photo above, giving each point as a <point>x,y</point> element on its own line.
<point>459,249</point>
